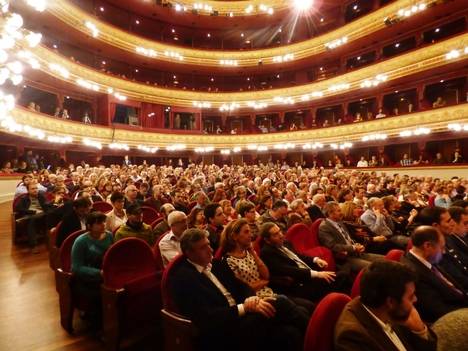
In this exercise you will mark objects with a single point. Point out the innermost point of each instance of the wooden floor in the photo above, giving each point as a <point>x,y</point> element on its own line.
<point>29,310</point>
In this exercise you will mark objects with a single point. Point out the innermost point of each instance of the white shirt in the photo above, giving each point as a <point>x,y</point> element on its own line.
<point>300,263</point>
<point>169,246</point>
<point>387,328</point>
<point>363,163</point>
<point>113,221</point>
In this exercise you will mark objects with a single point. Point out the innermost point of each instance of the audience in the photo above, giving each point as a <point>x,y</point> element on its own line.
<point>216,219</point>
<point>163,227</point>
<point>74,220</point>
<point>117,216</point>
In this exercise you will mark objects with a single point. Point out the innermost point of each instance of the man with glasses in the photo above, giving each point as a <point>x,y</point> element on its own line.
<point>134,227</point>
<point>169,246</point>
<point>131,194</point>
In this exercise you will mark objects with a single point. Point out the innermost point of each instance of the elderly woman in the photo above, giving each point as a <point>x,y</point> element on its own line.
<point>87,253</point>
<point>298,208</point>
<point>117,216</point>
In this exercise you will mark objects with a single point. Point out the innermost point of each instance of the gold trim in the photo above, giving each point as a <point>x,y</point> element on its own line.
<point>404,65</point>
<point>436,119</point>
<point>237,8</point>
<point>76,18</point>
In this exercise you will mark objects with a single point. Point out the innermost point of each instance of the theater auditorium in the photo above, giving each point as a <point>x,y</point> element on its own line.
<point>197,175</point>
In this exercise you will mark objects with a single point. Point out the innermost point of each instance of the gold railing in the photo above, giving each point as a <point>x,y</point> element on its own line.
<point>76,19</point>
<point>420,60</point>
<point>436,120</point>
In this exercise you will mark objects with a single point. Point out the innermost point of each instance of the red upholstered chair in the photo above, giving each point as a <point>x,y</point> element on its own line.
<point>297,236</point>
<point>131,291</point>
<point>19,232</point>
<point>409,246</point>
<point>53,249</point>
<point>157,253</point>
<point>68,301</point>
<point>156,222</point>
<point>356,288</point>
<point>218,254</point>
<point>325,254</point>
<point>149,214</point>
<point>179,332</point>
<point>319,334</point>
<point>394,255</point>
<point>102,206</point>
<point>314,229</point>
<point>431,201</point>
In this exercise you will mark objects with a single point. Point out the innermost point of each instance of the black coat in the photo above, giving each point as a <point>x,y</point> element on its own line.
<point>315,212</point>
<point>70,224</point>
<point>435,298</point>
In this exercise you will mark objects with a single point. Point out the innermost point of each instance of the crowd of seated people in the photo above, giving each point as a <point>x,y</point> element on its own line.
<point>214,215</point>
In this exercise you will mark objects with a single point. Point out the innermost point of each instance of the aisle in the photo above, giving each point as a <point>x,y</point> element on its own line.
<point>29,312</point>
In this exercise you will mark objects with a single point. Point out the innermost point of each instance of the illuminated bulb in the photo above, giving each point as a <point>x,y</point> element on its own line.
<point>6,42</point>
<point>33,39</point>
<point>15,67</point>
<point>303,5</point>
<point>14,22</point>
<point>3,56</point>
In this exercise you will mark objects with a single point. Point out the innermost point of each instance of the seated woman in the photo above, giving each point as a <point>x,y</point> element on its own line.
<point>400,222</point>
<point>237,250</point>
<point>360,232</point>
<point>196,219</point>
<point>87,253</point>
<point>229,212</point>
<point>117,216</point>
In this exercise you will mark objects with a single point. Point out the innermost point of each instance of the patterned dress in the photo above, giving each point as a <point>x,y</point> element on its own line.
<point>246,269</point>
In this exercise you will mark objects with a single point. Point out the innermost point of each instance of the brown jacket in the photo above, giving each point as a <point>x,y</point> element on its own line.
<point>357,330</point>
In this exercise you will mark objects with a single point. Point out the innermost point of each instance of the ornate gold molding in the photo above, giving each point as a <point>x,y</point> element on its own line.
<point>404,65</point>
<point>436,119</point>
<point>76,19</point>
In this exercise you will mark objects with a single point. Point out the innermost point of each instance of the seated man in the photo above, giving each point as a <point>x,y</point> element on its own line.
<point>169,246</point>
<point>452,262</point>
<point>315,210</point>
<point>379,222</point>
<point>131,196</point>
<point>215,218</point>
<point>437,293</point>
<point>224,310</point>
<point>32,208</point>
<point>74,220</point>
<point>457,240</point>
<point>134,227</point>
<point>349,256</point>
<point>309,281</point>
<point>383,317</point>
<point>277,214</point>
<point>162,227</point>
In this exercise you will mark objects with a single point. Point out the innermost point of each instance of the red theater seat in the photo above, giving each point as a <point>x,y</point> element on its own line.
<point>356,288</point>
<point>394,255</point>
<point>53,249</point>
<point>131,293</point>
<point>319,334</point>
<point>68,301</point>
<point>179,332</point>
<point>149,214</point>
<point>102,206</point>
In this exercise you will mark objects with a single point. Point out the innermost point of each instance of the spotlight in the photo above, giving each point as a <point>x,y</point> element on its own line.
<point>303,5</point>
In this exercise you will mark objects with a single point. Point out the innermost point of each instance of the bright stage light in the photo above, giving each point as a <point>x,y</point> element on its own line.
<point>303,5</point>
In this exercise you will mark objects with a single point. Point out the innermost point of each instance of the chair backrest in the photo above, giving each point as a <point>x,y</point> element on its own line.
<point>157,253</point>
<point>102,206</point>
<point>17,199</point>
<point>156,222</point>
<point>312,240</point>
<point>321,328</point>
<point>53,234</point>
<point>168,302</point>
<point>127,260</point>
<point>394,255</point>
<point>66,248</point>
<point>149,214</point>
<point>297,235</point>
<point>356,288</point>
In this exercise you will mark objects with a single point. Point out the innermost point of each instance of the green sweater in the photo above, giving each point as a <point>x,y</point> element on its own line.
<point>145,233</point>
<point>87,254</point>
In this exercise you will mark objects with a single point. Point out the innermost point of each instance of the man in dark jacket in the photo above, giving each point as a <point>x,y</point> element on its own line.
<point>32,207</point>
<point>75,220</point>
<point>383,317</point>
